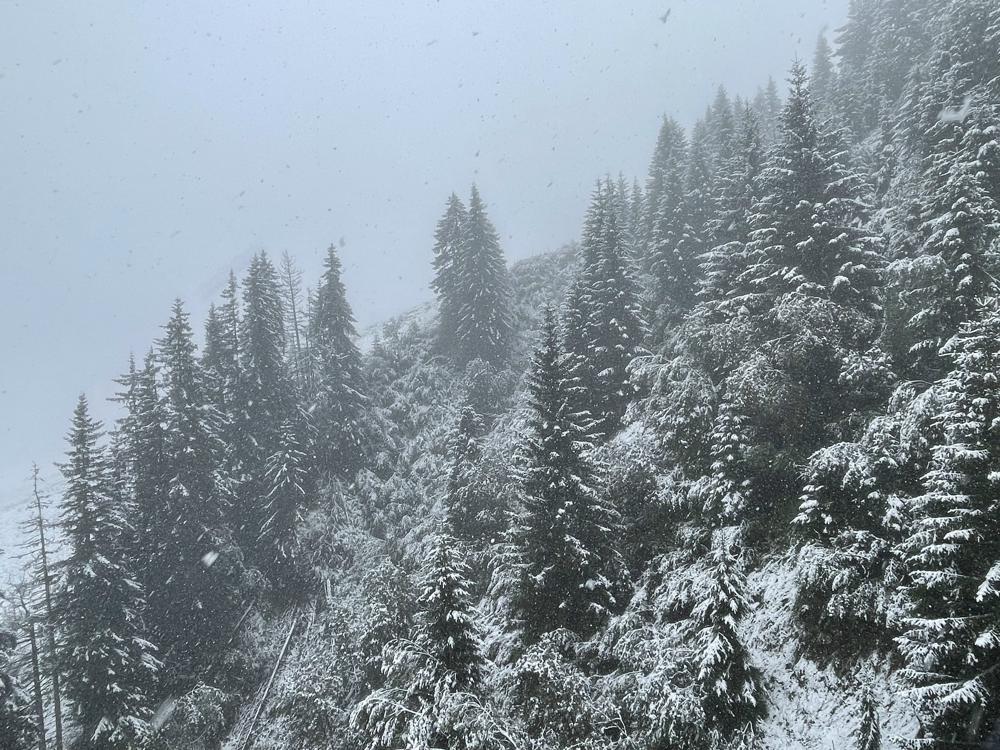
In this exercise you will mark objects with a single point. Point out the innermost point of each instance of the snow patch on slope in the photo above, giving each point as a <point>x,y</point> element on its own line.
<point>809,705</point>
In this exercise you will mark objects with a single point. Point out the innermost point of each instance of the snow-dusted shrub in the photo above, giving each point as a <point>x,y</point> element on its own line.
<point>548,691</point>
<point>845,595</point>
<point>198,720</point>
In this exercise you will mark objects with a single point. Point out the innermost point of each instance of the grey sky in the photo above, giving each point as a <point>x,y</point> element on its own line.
<point>147,147</point>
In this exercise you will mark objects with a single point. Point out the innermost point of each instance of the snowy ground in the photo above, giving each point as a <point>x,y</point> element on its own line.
<point>809,706</point>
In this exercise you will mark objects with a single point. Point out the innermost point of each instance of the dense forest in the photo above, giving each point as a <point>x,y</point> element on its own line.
<point>725,473</point>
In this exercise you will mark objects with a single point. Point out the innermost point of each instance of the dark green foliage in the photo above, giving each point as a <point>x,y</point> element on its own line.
<point>868,735</point>
<point>730,687</point>
<point>431,676</point>
<point>951,643</point>
<point>289,488</point>
<point>955,266</point>
<point>191,605</point>
<point>603,326</point>
<point>730,225</point>
<point>448,258</point>
<point>343,440</point>
<point>672,262</point>
<point>464,503</point>
<point>472,285</point>
<point>107,666</point>
<point>17,725</point>
<point>805,233</point>
<point>568,566</point>
<point>447,624</point>
<point>484,317</point>
<point>221,355</point>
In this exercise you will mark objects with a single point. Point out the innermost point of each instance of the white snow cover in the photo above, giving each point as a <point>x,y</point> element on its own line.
<point>809,705</point>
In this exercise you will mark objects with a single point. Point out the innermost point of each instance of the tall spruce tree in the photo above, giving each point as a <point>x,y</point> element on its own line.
<point>107,665</point>
<point>447,620</point>
<point>674,274</point>
<point>731,692</point>
<point>484,323</point>
<point>220,357</point>
<point>464,501</point>
<point>729,228</point>
<point>569,566</point>
<point>295,321</point>
<point>265,398</point>
<point>289,486</point>
<point>603,328</point>
<point>721,127</point>
<point>340,400</point>
<point>767,106</point>
<point>822,75</point>
<point>952,638</point>
<point>955,265</point>
<point>429,676</point>
<point>448,242</point>
<point>806,236</point>
<point>190,608</point>
<point>143,452</point>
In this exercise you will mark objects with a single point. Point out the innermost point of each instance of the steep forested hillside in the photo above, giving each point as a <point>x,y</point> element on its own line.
<point>724,474</point>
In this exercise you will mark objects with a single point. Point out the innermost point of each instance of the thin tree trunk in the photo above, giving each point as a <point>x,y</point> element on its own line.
<point>49,618</point>
<point>36,684</point>
<point>292,283</point>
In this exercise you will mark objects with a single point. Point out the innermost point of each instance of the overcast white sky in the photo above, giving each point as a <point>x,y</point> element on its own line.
<point>147,148</point>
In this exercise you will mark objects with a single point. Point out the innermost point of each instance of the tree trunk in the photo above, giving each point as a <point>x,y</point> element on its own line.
<point>36,684</point>
<point>49,618</point>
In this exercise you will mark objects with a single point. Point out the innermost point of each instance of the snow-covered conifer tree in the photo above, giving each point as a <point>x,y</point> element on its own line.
<point>731,691</point>
<point>565,540</point>
<point>448,239</point>
<point>482,281</point>
<point>341,395</point>
<point>107,666</point>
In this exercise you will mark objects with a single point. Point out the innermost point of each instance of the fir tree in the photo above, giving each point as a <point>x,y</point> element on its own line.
<point>340,399</point>
<point>291,292</point>
<point>289,487</point>
<point>220,358</point>
<point>430,676</point>
<point>448,244</point>
<point>264,399</point>
<point>106,664</point>
<point>732,695</point>
<point>190,607</point>
<point>447,621</point>
<point>955,265</point>
<point>767,107</point>
<point>721,125</point>
<point>952,643</point>
<point>674,274</point>
<point>483,329</point>
<point>17,728</point>
<point>142,439</point>
<point>602,325</point>
<point>569,567</point>
<point>729,228</point>
<point>805,230</point>
<point>868,735</point>
<point>464,502</point>
<point>264,386</point>
<point>822,74</point>
<point>724,492</point>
